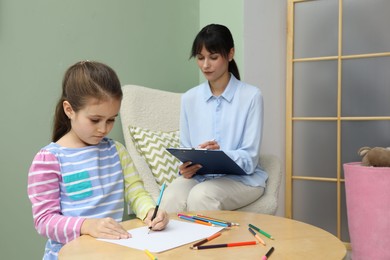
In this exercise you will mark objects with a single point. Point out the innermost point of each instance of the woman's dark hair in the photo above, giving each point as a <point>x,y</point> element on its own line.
<point>83,80</point>
<point>216,38</point>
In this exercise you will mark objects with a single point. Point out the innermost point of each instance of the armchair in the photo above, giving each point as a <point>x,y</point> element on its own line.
<point>159,111</point>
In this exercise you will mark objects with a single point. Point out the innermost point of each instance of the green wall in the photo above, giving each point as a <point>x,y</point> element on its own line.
<point>229,13</point>
<point>146,42</point>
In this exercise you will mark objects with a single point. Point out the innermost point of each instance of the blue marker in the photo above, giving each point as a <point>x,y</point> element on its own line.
<point>158,204</point>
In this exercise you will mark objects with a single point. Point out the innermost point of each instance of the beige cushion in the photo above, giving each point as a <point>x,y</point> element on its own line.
<point>152,147</point>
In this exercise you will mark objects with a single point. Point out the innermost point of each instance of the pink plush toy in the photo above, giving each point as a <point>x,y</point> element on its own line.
<point>377,156</point>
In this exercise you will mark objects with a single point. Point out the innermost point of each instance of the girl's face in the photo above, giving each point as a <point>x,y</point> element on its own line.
<point>93,122</point>
<point>213,65</point>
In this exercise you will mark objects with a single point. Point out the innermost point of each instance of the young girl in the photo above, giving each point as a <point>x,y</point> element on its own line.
<point>222,113</point>
<point>78,183</point>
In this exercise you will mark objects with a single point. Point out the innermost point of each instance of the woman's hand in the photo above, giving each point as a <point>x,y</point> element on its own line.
<point>103,228</point>
<point>187,170</point>
<point>210,145</point>
<point>159,222</point>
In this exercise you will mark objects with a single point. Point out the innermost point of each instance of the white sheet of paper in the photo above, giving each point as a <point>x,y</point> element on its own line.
<point>176,233</point>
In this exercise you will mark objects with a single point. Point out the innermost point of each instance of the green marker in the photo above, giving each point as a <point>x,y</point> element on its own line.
<point>261,231</point>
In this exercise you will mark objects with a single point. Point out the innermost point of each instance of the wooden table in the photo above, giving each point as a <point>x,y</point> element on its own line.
<point>293,240</point>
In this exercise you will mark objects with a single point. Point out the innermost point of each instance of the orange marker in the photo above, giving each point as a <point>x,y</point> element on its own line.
<point>206,239</point>
<point>256,236</point>
<point>196,221</point>
<point>203,223</point>
<point>219,220</point>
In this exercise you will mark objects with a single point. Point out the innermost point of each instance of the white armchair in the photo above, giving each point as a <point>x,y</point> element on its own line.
<point>159,110</point>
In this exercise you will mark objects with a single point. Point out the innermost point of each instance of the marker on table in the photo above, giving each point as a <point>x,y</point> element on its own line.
<point>256,236</point>
<point>261,231</point>
<point>268,254</point>
<point>150,254</point>
<point>195,220</point>
<point>246,243</point>
<point>219,220</point>
<point>216,223</point>
<point>206,240</point>
<point>158,205</point>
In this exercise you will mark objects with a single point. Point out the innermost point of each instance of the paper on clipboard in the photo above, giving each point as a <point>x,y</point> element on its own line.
<point>212,161</point>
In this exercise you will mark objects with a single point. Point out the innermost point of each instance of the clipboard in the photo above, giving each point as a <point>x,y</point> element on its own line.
<point>213,161</point>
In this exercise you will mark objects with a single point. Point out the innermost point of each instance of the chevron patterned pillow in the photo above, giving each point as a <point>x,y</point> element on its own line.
<point>151,145</point>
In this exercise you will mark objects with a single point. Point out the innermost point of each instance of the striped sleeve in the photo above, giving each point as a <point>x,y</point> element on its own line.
<point>135,194</point>
<point>44,193</point>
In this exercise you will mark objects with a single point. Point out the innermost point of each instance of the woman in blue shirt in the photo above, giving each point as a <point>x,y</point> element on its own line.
<point>225,114</point>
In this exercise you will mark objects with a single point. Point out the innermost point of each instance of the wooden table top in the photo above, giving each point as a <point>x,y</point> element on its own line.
<point>292,240</point>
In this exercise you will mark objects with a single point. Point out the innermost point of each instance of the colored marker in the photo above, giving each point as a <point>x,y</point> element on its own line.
<point>158,205</point>
<point>219,220</point>
<point>150,254</point>
<point>246,243</point>
<point>261,231</point>
<point>256,236</point>
<point>195,220</point>
<point>198,220</point>
<point>209,221</point>
<point>206,240</point>
<point>216,222</point>
<point>267,255</point>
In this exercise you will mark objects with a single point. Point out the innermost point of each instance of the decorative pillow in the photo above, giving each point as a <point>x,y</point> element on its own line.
<point>152,146</point>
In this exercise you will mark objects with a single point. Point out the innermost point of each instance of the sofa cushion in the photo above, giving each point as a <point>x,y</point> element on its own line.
<point>151,145</point>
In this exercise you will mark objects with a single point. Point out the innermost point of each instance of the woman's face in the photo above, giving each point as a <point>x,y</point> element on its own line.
<point>213,65</point>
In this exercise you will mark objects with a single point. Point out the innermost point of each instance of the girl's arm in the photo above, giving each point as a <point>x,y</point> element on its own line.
<point>140,200</point>
<point>135,194</point>
<point>44,193</point>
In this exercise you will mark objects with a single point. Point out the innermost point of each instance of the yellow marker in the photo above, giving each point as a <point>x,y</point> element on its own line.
<point>150,254</point>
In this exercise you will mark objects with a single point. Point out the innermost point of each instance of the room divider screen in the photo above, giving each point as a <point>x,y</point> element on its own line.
<point>337,100</point>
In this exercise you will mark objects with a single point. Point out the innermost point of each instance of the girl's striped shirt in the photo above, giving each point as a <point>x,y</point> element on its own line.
<point>68,185</point>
